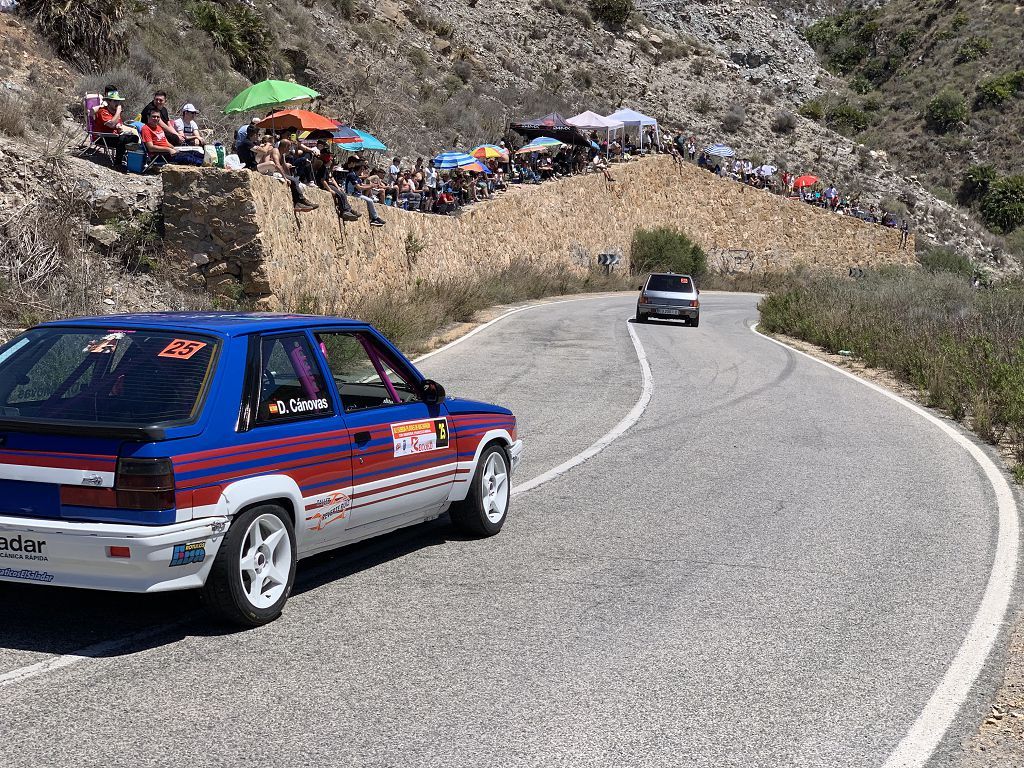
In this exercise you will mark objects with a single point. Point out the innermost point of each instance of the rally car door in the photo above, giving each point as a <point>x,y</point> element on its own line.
<point>404,458</point>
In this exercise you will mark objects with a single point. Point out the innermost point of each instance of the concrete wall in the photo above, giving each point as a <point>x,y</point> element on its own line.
<point>241,232</point>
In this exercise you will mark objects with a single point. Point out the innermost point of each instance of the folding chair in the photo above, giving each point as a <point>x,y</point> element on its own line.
<point>139,160</point>
<point>95,141</point>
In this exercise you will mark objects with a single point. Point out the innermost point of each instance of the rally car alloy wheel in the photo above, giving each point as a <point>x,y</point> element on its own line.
<point>483,510</point>
<point>255,569</point>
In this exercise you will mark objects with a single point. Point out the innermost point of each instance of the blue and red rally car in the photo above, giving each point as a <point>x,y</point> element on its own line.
<point>167,451</point>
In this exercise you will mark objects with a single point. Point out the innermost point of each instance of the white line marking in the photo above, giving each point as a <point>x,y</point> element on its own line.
<point>105,648</point>
<point>614,434</point>
<point>916,748</point>
<point>109,646</point>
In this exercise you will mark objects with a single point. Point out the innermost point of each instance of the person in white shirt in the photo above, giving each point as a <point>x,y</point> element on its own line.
<point>186,127</point>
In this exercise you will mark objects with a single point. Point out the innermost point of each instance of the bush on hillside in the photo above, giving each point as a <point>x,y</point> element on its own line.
<point>995,91</point>
<point>240,32</point>
<point>938,259</point>
<point>614,13</point>
<point>666,250</point>
<point>972,48</point>
<point>734,118</point>
<point>1002,207</point>
<point>813,110</point>
<point>847,119</point>
<point>946,112</point>
<point>975,184</point>
<point>85,31</point>
<point>784,121</point>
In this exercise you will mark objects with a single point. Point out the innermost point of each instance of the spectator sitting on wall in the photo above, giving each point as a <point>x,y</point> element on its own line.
<point>159,104</point>
<point>108,122</point>
<point>601,165</point>
<point>270,161</point>
<point>185,126</point>
<point>323,165</point>
<point>244,148</point>
<point>156,143</point>
<point>358,179</point>
<point>243,131</point>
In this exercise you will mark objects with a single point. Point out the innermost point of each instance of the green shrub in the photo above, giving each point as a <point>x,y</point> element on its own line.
<point>84,31</point>
<point>813,109</point>
<point>938,259</point>
<point>614,13</point>
<point>663,249</point>
<point>972,48</point>
<point>860,84</point>
<point>240,32</point>
<point>1002,207</point>
<point>975,184</point>
<point>995,91</point>
<point>847,119</point>
<point>946,112</point>
<point>907,38</point>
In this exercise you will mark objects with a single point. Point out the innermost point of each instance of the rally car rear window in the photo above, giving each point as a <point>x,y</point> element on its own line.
<point>670,284</point>
<point>105,376</point>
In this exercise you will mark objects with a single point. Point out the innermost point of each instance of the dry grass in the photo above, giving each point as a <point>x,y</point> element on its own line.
<point>410,319</point>
<point>962,348</point>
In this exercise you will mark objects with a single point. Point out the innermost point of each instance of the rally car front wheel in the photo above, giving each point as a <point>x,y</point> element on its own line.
<point>254,572</point>
<point>483,511</point>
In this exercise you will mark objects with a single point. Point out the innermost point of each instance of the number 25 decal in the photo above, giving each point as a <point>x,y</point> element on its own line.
<point>182,349</point>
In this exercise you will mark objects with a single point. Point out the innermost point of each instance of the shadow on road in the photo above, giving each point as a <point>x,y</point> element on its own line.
<point>61,620</point>
<point>676,323</point>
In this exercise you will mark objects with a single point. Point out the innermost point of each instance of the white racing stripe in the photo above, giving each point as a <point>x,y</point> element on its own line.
<point>614,434</point>
<point>917,747</point>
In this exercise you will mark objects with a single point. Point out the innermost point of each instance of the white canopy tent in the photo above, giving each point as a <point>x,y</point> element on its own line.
<point>633,119</point>
<point>591,121</point>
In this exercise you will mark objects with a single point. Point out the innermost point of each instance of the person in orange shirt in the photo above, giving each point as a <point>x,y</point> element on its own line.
<point>108,122</point>
<point>156,142</point>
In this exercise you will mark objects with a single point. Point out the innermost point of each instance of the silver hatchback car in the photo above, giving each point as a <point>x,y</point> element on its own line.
<point>668,295</point>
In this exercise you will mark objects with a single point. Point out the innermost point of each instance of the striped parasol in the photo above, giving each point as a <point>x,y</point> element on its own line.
<point>720,150</point>
<point>448,161</point>
<point>541,144</point>
<point>488,151</point>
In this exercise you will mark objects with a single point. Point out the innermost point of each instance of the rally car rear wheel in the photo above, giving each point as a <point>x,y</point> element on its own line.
<point>483,511</point>
<point>254,572</point>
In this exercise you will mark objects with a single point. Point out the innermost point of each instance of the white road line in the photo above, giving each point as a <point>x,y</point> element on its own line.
<point>108,647</point>
<point>614,434</point>
<point>917,747</point>
<point>105,648</point>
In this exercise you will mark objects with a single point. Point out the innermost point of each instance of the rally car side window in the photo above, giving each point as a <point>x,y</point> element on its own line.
<point>291,385</point>
<point>364,376</point>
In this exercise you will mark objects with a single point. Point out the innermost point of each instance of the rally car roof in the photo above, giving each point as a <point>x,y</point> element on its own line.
<point>222,323</point>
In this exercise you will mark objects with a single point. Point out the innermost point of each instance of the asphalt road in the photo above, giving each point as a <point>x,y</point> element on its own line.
<point>773,567</point>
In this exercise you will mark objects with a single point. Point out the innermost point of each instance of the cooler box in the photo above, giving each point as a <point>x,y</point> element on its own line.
<point>135,161</point>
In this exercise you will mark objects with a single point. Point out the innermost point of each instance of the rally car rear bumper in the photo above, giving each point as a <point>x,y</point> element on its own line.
<point>126,558</point>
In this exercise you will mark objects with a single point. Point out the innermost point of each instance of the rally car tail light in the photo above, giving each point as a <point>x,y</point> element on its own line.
<point>145,484</point>
<point>695,303</point>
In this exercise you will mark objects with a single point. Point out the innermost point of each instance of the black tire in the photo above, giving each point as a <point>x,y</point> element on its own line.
<point>695,322</point>
<point>224,592</point>
<point>641,318</point>
<point>470,515</point>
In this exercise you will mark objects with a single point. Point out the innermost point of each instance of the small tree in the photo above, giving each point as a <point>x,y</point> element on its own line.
<point>946,112</point>
<point>614,13</point>
<point>975,184</point>
<point>1002,207</point>
<point>665,249</point>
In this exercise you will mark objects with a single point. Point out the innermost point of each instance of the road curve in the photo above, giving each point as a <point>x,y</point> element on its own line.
<point>773,567</point>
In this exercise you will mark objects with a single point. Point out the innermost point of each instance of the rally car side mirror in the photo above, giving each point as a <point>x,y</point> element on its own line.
<point>431,392</point>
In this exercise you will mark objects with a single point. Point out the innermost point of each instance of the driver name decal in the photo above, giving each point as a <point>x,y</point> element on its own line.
<point>419,436</point>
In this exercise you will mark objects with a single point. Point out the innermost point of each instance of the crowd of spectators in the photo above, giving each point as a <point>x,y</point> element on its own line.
<point>420,186</point>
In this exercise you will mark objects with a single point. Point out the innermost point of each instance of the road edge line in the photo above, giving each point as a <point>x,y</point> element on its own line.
<point>919,744</point>
<point>614,433</point>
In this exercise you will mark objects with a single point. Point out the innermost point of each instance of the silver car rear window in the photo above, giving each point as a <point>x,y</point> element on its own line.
<point>670,283</point>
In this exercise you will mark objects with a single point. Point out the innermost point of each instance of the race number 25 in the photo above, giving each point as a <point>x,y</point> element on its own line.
<point>182,349</point>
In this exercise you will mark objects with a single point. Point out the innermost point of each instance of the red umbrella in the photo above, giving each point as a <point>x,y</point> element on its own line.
<point>297,120</point>
<point>805,181</point>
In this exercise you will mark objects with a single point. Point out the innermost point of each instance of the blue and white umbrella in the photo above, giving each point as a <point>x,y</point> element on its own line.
<point>720,150</point>
<point>448,161</point>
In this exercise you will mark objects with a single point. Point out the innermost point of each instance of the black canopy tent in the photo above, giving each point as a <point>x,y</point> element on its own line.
<point>554,126</point>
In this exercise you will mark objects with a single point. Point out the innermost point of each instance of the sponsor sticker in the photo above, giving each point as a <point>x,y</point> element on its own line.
<point>328,509</point>
<point>412,437</point>
<point>20,548</point>
<point>186,554</point>
<point>182,349</point>
<point>105,345</point>
<point>11,573</point>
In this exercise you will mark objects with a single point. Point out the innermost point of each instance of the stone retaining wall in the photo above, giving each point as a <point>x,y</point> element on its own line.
<point>240,231</point>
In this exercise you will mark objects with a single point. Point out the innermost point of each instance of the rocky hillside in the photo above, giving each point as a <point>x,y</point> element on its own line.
<point>426,76</point>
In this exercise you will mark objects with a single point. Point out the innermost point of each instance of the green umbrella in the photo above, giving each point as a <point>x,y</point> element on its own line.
<point>270,93</point>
